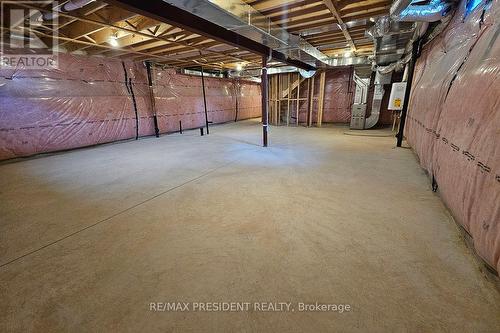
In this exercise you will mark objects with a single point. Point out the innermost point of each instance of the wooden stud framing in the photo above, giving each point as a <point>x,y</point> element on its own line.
<point>288,101</point>
<point>321,99</point>
<point>311,103</point>
<point>298,100</point>
<point>278,94</point>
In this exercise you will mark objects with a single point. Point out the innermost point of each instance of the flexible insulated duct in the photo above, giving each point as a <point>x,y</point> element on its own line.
<point>433,11</point>
<point>398,6</point>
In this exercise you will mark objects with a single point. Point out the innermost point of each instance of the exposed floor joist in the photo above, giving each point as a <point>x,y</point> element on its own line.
<point>155,30</point>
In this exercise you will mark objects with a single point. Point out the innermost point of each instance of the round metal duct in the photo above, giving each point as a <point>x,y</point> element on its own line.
<point>306,74</point>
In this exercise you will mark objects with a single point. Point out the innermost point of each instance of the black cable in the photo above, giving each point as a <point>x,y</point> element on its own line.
<point>135,109</point>
<point>130,90</point>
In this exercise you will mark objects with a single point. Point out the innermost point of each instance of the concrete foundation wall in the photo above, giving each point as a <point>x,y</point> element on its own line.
<point>86,102</point>
<point>454,120</point>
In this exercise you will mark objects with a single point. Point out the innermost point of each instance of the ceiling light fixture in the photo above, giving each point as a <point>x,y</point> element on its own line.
<point>239,67</point>
<point>113,41</point>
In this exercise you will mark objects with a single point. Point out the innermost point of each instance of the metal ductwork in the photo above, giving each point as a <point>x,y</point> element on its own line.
<point>237,16</point>
<point>344,61</point>
<point>247,73</point>
<point>306,74</point>
<point>244,73</point>
<point>385,26</point>
<point>347,61</point>
<point>395,66</point>
<point>67,7</point>
<point>378,95</point>
<point>390,39</point>
<point>407,22</point>
<point>398,6</point>
<point>420,11</point>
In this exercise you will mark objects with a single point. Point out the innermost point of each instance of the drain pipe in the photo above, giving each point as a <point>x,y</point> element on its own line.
<point>411,69</point>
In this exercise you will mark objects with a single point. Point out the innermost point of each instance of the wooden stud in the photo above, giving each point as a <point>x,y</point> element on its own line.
<point>311,105</point>
<point>288,102</point>
<point>278,100</point>
<point>271,98</point>
<point>321,99</point>
<point>298,101</point>
<point>274,100</point>
<point>276,96</point>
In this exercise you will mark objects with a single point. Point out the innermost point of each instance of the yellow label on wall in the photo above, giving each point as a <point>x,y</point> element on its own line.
<point>397,102</point>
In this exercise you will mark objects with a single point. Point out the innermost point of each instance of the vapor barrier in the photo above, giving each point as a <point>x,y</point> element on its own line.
<point>338,98</point>
<point>339,94</point>
<point>91,100</point>
<point>454,122</point>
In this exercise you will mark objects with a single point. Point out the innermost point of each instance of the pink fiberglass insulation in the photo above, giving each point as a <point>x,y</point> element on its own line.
<point>339,90</point>
<point>180,97</point>
<point>86,102</point>
<point>454,122</point>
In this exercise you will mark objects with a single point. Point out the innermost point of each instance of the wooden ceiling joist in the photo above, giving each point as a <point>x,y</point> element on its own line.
<point>91,31</point>
<point>111,29</point>
<point>335,13</point>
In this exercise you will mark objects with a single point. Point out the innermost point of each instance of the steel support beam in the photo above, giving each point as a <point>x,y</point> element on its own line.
<point>167,13</point>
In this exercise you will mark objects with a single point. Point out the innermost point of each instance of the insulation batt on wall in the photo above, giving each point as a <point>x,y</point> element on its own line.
<point>454,120</point>
<point>339,95</point>
<point>86,102</point>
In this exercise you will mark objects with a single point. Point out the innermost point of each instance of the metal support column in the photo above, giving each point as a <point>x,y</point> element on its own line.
<point>265,112</point>
<point>204,99</point>
<point>411,69</point>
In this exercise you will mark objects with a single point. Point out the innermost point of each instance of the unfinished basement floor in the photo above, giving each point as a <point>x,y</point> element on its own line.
<point>89,238</point>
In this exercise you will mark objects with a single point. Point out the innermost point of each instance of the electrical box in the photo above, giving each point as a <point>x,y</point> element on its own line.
<point>397,97</point>
<point>358,116</point>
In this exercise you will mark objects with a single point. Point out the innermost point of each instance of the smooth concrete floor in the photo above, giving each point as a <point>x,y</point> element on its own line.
<point>90,238</point>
